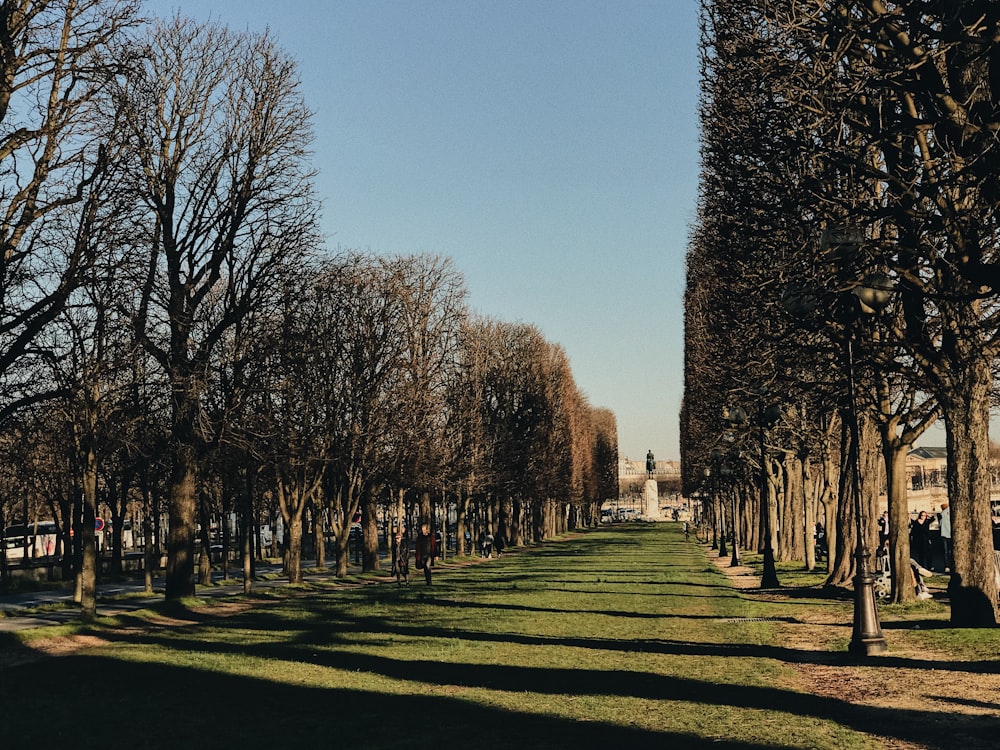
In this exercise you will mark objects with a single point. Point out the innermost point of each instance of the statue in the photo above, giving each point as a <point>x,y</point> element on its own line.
<point>650,464</point>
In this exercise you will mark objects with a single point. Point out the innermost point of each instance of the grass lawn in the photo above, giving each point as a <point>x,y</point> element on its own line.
<point>624,636</point>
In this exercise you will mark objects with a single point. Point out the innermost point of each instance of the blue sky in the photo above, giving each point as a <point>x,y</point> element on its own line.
<point>550,149</point>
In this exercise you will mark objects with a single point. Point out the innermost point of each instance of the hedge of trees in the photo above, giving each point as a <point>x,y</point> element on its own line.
<point>177,345</point>
<point>843,142</point>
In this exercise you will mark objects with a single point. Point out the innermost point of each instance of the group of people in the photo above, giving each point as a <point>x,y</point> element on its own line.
<point>930,546</point>
<point>925,530</point>
<point>426,552</point>
<point>930,538</point>
<point>488,544</point>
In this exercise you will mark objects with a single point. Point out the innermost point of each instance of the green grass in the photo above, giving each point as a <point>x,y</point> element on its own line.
<point>618,637</point>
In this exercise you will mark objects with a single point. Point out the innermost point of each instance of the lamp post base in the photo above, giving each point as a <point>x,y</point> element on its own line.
<point>867,638</point>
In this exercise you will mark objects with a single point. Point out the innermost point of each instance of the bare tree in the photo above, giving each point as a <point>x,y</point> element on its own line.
<point>56,60</point>
<point>431,294</point>
<point>219,134</point>
<point>466,429</point>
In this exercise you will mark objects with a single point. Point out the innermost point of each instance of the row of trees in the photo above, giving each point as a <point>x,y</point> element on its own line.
<point>872,126</point>
<point>171,327</point>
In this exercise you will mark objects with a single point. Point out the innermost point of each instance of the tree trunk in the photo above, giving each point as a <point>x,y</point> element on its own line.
<point>88,564</point>
<point>809,525</point>
<point>227,537</point>
<point>343,548</point>
<point>182,508</point>
<point>319,533</point>
<point>790,515</point>
<point>774,481</point>
<point>148,511</point>
<point>973,585</point>
<point>517,522</point>
<point>426,510</point>
<point>462,521</point>
<point>842,549</point>
<point>795,521</point>
<point>369,531</point>
<point>894,453</point>
<point>293,496</point>
<point>831,505</point>
<point>248,526</point>
<point>293,558</point>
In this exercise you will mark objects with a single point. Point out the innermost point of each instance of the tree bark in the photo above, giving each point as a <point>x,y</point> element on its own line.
<point>88,566</point>
<point>180,536</point>
<point>899,520</point>
<point>369,531</point>
<point>973,584</point>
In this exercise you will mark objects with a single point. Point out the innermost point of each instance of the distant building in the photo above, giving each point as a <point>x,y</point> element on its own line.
<point>926,468</point>
<point>926,480</point>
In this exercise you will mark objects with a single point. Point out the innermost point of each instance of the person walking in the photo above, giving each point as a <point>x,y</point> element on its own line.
<point>944,520</point>
<point>400,558</point>
<point>426,551</point>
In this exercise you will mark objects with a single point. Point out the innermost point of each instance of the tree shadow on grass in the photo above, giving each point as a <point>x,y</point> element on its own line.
<point>163,706</point>
<point>923,727</point>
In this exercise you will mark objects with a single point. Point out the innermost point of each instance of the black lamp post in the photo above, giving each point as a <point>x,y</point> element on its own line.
<point>873,295</point>
<point>735,417</point>
<point>727,474</point>
<point>766,418</point>
<point>718,507</point>
<point>869,297</point>
<point>710,508</point>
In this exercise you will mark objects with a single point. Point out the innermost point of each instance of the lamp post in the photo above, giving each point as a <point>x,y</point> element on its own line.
<point>868,297</point>
<point>718,507</point>
<point>735,418</point>
<point>766,418</point>
<point>709,509</point>
<point>873,295</point>
<point>727,474</point>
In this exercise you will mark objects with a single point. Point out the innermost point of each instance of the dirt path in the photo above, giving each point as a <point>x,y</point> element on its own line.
<point>947,698</point>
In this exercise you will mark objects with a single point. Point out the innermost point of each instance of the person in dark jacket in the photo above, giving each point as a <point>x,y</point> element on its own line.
<point>400,558</point>
<point>920,539</point>
<point>426,551</point>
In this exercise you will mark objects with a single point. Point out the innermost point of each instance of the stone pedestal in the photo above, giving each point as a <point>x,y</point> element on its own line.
<point>650,501</point>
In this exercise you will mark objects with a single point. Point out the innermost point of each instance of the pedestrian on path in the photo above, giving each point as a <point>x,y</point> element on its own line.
<point>400,558</point>
<point>944,520</point>
<point>426,551</point>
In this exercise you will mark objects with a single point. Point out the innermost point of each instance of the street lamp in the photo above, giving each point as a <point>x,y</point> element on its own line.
<point>717,506</point>
<point>766,418</point>
<point>873,295</point>
<point>735,418</point>
<point>868,297</point>
<point>726,471</point>
<point>709,508</point>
